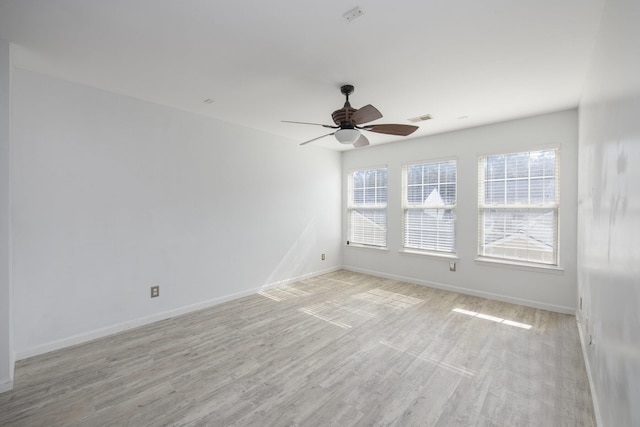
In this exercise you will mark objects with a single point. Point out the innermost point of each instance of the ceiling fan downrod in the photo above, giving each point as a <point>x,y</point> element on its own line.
<point>346,90</point>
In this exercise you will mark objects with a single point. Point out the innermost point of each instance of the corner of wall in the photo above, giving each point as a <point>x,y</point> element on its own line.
<point>6,386</point>
<point>7,357</point>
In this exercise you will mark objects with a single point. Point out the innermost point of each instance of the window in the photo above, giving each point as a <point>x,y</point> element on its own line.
<point>429,204</point>
<point>367,206</point>
<point>518,207</point>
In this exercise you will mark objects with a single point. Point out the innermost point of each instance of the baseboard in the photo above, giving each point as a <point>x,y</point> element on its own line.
<point>594,397</point>
<point>135,323</point>
<point>6,386</point>
<point>467,291</point>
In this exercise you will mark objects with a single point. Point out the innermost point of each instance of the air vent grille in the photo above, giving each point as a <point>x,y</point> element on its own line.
<point>421,118</point>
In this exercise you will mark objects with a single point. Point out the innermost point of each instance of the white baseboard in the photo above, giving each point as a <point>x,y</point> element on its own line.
<point>467,291</point>
<point>594,398</point>
<point>134,323</point>
<point>6,385</point>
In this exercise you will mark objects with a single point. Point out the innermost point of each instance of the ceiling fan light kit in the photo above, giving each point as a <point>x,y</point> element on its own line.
<point>348,121</point>
<point>347,136</point>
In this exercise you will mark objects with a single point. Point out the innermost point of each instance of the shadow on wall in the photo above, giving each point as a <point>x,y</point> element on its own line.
<point>296,263</point>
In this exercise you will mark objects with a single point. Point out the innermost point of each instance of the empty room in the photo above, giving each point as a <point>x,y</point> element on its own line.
<point>411,213</point>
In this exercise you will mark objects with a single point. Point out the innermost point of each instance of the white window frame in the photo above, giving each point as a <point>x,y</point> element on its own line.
<point>375,237</point>
<point>407,207</point>
<point>552,206</point>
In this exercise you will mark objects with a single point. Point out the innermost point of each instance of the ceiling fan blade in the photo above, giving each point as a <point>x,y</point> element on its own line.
<point>307,123</point>
<point>311,140</point>
<point>366,114</point>
<point>393,129</point>
<point>361,142</point>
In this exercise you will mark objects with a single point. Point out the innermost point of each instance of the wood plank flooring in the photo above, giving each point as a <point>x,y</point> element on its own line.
<point>342,349</point>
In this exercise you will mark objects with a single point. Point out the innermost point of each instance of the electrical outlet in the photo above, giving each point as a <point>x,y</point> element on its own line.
<point>452,266</point>
<point>323,257</point>
<point>155,291</point>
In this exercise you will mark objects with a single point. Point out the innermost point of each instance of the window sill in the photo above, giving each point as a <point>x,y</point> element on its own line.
<point>375,248</point>
<point>539,268</point>
<point>435,255</point>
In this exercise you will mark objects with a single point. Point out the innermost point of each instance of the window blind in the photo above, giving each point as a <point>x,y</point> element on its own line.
<point>367,206</point>
<point>429,206</point>
<point>518,197</point>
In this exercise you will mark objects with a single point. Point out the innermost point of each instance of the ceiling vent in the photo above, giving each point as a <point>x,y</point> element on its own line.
<point>421,118</point>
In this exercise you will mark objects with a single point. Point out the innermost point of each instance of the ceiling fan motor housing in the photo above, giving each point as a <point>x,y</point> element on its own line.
<point>342,117</point>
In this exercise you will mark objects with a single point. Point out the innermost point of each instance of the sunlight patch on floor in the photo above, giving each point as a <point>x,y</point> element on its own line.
<point>342,282</point>
<point>390,299</point>
<point>283,293</point>
<point>440,363</point>
<point>492,318</point>
<point>338,314</point>
<point>318,315</point>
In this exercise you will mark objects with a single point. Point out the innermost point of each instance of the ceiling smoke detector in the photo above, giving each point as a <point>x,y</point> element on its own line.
<point>353,14</point>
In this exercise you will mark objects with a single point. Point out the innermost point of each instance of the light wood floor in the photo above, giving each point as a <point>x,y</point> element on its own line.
<point>341,349</point>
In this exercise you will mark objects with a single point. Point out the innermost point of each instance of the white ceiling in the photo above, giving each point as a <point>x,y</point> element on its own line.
<point>266,61</point>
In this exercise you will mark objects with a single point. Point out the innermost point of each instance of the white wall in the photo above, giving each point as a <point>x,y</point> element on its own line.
<point>609,216</point>
<point>539,288</point>
<point>112,195</point>
<point>6,346</point>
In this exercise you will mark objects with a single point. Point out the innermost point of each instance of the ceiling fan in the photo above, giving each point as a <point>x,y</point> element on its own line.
<point>350,121</point>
